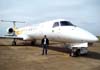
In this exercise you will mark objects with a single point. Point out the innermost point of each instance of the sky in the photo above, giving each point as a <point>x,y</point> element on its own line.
<point>83,13</point>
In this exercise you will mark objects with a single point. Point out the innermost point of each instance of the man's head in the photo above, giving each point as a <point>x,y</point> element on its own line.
<point>45,36</point>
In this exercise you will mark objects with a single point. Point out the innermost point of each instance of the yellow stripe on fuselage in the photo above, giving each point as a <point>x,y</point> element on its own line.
<point>18,32</point>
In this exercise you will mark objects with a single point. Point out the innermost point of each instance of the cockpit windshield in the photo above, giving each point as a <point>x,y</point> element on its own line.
<point>66,23</point>
<point>56,24</point>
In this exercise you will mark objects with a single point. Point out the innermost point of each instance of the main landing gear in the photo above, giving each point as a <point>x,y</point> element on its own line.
<point>33,42</point>
<point>14,42</point>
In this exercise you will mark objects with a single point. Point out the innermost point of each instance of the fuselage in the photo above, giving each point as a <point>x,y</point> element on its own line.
<point>57,30</point>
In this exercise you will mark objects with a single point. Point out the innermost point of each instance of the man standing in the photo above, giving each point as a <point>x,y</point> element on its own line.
<point>45,43</point>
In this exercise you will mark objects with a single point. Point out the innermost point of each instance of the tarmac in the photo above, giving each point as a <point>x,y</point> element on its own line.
<point>25,57</point>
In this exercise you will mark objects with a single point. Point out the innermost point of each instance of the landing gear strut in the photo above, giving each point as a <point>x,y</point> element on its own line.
<point>33,42</point>
<point>14,42</point>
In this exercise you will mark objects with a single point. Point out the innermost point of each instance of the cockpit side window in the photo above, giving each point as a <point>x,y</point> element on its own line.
<point>66,23</point>
<point>56,24</point>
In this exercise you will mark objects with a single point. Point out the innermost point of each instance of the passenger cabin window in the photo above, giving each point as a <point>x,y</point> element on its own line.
<point>66,23</point>
<point>56,24</point>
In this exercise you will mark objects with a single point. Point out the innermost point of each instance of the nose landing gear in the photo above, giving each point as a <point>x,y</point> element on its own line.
<point>75,52</point>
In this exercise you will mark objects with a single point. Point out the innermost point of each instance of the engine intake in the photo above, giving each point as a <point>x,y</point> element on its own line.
<point>10,30</point>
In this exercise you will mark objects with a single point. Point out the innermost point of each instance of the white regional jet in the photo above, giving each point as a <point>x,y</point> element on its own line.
<point>59,30</point>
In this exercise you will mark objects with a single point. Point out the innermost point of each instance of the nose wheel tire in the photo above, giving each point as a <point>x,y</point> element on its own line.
<point>75,53</point>
<point>72,54</point>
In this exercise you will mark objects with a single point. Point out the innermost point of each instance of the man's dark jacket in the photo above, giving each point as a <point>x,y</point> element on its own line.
<point>47,41</point>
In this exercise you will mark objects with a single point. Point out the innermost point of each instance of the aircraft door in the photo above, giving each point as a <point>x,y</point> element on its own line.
<point>56,31</point>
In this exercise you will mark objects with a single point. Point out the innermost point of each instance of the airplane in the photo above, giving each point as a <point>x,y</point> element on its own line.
<point>59,30</point>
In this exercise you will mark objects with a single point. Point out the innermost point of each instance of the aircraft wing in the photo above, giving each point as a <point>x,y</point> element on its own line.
<point>10,37</point>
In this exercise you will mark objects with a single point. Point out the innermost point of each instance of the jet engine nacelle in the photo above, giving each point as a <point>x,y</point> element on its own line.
<point>10,30</point>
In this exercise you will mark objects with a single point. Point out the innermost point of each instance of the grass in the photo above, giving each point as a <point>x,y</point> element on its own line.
<point>98,37</point>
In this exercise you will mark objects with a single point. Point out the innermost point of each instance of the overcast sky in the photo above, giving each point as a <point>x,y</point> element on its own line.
<point>83,13</point>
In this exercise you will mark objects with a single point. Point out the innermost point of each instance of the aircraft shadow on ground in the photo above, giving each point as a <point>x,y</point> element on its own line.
<point>18,44</point>
<point>93,55</point>
<point>59,49</point>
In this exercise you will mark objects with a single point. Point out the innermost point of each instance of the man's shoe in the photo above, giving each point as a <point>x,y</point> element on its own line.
<point>45,54</point>
<point>42,54</point>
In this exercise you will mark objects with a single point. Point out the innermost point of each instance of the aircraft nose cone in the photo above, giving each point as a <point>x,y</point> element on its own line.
<point>89,37</point>
<point>92,38</point>
<point>95,39</point>
<point>85,35</point>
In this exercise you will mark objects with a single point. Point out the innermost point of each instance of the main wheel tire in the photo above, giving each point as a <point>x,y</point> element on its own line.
<point>13,43</point>
<point>33,42</point>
